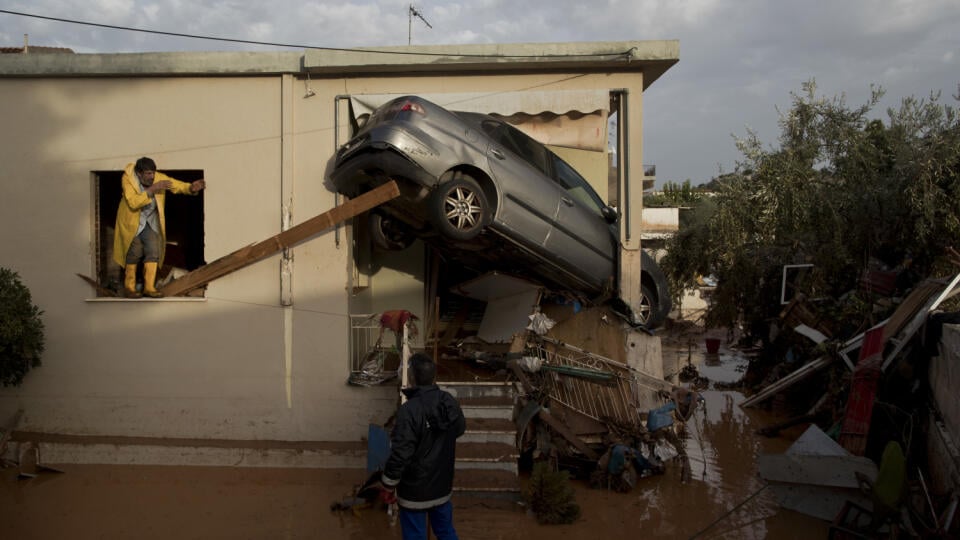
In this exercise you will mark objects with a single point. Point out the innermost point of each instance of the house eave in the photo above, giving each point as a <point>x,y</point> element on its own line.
<point>652,58</point>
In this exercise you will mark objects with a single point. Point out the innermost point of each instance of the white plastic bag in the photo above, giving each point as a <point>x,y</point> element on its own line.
<point>540,323</point>
<point>665,451</point>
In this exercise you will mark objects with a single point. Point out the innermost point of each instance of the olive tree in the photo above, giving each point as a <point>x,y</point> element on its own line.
<point>841,190</point>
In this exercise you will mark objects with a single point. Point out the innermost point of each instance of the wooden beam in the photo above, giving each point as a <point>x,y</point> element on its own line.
<point>918,318</point>
<point>288,238</point>
<point>565,432</point>
<point>789,380</point>
<point>101,291</point>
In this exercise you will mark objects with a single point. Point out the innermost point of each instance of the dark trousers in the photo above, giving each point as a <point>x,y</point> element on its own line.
<point>413,523</point>
<point>145,246</point>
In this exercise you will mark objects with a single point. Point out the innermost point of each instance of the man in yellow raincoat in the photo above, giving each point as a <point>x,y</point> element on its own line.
<point>140,232</point>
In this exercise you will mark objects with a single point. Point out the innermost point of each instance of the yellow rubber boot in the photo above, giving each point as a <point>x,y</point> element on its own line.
<point>130,282</point>
<point>149,279</point>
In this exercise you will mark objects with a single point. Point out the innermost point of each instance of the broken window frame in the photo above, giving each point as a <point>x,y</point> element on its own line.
<point>786,283</point>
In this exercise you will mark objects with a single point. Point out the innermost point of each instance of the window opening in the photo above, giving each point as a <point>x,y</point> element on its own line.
<point>184,225</point>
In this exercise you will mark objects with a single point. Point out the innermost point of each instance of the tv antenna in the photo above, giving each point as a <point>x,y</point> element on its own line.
<point>414,12</point>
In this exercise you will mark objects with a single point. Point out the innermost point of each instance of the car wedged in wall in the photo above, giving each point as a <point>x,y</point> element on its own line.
<point>488,194</point>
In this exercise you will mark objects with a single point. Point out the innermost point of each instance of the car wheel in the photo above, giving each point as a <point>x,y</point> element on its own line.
<point>388,233</point>
<point>459,208</point>
<point>648,307</point>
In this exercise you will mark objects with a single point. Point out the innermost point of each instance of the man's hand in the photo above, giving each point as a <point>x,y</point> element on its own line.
<point>198,185</point>
<point>388,494</point>
<point>157,187</point>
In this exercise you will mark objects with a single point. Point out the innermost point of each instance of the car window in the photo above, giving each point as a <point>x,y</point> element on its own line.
<point>575,184</point>
<point>517,142</point>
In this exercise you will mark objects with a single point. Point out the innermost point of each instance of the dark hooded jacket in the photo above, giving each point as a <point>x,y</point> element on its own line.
<point>423,447</point>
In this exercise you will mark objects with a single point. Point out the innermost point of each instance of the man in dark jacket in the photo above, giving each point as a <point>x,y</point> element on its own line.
<point>422,453</point>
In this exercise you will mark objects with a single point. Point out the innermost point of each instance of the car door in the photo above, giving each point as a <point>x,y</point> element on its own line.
<point>580,237</point>
<point>529,200</point>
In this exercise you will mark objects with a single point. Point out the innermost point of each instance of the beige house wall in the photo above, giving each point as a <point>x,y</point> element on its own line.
<point>236,364</point>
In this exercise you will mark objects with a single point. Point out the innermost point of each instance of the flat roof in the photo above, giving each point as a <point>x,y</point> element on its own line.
<point>652,58</point>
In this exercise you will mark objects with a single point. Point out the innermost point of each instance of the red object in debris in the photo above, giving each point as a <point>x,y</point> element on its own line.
<point>395,319</point>
<point>878,282</point>
<point>713,345</point>
<point>863,393</point>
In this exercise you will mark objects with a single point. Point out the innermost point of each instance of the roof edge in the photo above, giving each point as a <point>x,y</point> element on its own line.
<point>652,58</point>
<point>152,63</point>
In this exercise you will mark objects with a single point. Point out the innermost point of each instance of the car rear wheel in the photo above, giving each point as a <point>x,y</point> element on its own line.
<point>459,208</point>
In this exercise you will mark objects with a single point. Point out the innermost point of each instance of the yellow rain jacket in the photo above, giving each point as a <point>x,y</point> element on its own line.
<point>128,214</point>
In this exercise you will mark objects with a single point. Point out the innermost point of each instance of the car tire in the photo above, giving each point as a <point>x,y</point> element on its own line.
<point>648,307</point>
<point>389,234</point>
<point>459,208</point>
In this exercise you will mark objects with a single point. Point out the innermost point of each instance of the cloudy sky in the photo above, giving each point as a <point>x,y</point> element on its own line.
<point>739,59</point>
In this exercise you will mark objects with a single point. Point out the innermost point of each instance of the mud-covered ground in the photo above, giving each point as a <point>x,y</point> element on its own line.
<point>723,499</point>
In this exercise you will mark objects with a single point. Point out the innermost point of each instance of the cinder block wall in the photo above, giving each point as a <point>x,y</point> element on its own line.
<point>944,374</point>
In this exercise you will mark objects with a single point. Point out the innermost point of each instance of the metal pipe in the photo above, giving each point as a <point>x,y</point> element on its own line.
<point>336,146</point>
<point>623,153</point>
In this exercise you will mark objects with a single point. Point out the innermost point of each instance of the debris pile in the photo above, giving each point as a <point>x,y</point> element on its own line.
<point>867,385</point>
<point>584,413</point>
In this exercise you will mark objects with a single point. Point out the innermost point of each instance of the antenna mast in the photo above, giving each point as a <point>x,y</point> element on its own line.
<point>411,13</point>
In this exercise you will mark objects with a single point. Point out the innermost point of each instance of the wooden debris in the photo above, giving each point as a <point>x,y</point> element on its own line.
<point>564,432</point>
<point>899,334</point>
<point>101,290</point>
<point>798,375</point>
<point>8,432</point>
<point>250,254</point>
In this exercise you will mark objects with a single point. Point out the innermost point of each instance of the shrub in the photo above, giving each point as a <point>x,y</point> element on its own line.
<point>550,496</point>
<point>21,330</point>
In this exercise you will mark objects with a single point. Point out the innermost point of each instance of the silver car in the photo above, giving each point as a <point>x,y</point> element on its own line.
<point>484,192</point>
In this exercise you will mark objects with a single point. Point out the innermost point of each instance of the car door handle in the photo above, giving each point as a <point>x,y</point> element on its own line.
<point>497,153</point>
<point>566,201</point>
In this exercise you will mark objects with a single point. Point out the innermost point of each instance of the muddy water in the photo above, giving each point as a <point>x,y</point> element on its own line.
<point>724,498</point>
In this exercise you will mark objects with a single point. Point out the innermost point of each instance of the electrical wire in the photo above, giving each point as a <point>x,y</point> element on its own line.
<point>624,54</point>
<point>732,510</point>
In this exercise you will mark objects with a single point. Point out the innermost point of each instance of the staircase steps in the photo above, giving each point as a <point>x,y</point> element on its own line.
<point>487,456</point>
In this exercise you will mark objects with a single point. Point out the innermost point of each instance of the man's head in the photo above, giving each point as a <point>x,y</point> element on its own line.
<point>423,369</point>
<point>145,169</point>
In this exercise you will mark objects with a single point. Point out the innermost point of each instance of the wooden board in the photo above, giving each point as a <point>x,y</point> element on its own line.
<point>288,238</point>
<point>796,376</point>
<point>819,470</point>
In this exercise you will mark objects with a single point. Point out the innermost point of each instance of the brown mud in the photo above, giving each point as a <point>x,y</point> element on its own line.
<point>724,497</point>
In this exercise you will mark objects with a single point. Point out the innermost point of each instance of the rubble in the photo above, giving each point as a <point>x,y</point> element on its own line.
<point>871,395</point>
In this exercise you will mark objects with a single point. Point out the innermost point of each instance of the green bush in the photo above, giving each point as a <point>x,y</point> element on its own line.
<point>21,330</point>
<point>551,497</point>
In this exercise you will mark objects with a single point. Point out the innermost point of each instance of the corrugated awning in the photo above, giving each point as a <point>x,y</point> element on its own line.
<point>502,103</point>
<point>569,118</point>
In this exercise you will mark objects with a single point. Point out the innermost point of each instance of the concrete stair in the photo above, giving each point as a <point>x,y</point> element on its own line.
<point>486,453</point>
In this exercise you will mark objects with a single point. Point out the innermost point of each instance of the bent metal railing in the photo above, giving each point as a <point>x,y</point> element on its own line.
<point>593,385</point>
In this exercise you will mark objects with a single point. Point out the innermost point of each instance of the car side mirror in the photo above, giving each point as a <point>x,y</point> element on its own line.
<point>610,214</point>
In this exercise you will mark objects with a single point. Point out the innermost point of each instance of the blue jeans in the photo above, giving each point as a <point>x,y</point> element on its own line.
<point>413,523</point>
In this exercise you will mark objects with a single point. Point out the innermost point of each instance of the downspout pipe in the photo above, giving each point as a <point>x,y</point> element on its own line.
<point>623,153</point>
<point>336,146</point>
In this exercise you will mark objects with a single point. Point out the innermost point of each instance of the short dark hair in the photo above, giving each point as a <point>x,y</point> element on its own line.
<point>423,369</point>
<point>145,164</point>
